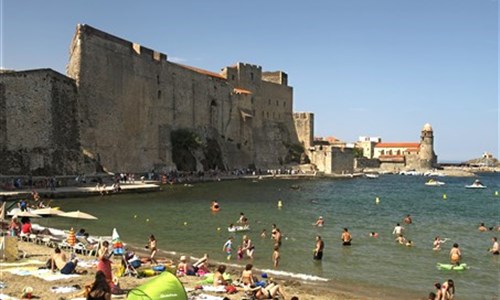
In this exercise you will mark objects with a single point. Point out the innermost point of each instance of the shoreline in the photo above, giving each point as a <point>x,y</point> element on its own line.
<point>304,289</point>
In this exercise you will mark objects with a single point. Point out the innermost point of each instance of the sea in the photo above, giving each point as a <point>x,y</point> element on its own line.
<point>180,218</point>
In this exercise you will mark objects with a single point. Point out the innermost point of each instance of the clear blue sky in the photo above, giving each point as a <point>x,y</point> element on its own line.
<point>364,67</point>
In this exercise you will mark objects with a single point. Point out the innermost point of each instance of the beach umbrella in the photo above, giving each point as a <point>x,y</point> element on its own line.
<point>117,243</point>
<point>48,211</point>
<point>27,214</point>
<point>2,213</point>
<point>78,215</point>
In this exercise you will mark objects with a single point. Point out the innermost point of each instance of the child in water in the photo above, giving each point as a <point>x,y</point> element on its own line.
<point>240,252</point>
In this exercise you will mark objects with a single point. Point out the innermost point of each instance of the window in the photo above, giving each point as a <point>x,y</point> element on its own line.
<point>269,101</point>
<point>251,76</point>
<point>158,79</point>
<point>277,103</point>
<point>159,94</point>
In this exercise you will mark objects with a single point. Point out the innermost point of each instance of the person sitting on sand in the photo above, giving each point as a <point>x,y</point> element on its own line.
<point>14,226</point>
<point>247,276</point>
<point>99,289</point>
<point>219,276</point>
<point>183,268</point>
<point>271,291</point>
<point>201,265</point>
<point>59,261</point>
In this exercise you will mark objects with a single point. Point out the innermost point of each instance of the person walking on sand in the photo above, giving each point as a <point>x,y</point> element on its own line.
<point>346,238</point>
<point>455,255</point>
<point>152,248</point>
<point>318,251</point>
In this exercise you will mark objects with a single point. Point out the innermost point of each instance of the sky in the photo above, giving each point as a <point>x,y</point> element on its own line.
<point>379,68</point>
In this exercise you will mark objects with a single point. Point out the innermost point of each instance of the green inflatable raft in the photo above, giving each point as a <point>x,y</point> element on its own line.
<point>164,286</point>
<point>461,267</point>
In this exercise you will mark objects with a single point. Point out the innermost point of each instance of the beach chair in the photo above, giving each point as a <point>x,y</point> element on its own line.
<point>84,247</point>
<point>128,268</point>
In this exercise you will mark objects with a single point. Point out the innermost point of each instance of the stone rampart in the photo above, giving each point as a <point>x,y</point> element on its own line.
<point>39,124</point>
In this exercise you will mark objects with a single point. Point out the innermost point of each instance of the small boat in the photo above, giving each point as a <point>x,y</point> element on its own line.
<point>238,228</point>
<point>371,175</point>
<point>476,185</point>
<point>433,182</point>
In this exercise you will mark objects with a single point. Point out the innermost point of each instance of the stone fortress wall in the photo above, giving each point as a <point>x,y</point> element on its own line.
<point>38,123</point>
<point>121,102</point>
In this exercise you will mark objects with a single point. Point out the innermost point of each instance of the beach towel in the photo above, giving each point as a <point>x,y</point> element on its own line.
<point>23,262</point>
<point>7,297</point>
<point>44,274</point>
<point>216,289</point>
<point>64,289</point>
<point>206,297</point>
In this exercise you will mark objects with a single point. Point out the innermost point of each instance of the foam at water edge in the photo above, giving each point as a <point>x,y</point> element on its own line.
<point>295,275</point>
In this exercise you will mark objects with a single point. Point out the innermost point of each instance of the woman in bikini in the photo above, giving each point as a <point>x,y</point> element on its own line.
<point>247,276</point>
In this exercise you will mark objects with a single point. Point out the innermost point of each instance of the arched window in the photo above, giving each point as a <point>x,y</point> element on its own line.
<point>213,114</point>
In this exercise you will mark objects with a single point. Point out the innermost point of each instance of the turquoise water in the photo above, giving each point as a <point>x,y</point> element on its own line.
<point>181,220</point>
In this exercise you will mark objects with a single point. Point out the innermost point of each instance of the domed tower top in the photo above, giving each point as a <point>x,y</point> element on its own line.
<point>427,127</point>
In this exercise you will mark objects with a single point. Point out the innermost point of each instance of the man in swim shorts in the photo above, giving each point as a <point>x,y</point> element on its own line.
<point>228,247</point>
<point>318,251</point>
<point>346,238</point>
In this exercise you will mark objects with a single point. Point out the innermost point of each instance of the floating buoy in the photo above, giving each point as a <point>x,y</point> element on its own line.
<point>218,228</point>
<point>135,216</point>
<point>185,223</point>
<point>444,197</point>
<point>280,204</point>
<point>147,220</point>
<point>377,200</point>
<point>496,193</point>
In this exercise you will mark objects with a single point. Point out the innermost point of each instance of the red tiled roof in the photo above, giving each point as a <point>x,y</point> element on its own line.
<point>397,145</point>
<point>201,71</point>
<point>241,91</point>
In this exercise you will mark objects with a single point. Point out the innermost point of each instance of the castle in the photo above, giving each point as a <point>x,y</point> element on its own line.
<point>125,107</point>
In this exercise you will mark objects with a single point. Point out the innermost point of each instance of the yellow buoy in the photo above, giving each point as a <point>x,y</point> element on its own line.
<point>135,216</point>
<point>377,200</point>
<point>147,220</point>
<point>444,197</point>
<point>280,204</point>
<point>496,193</point>
<point>185,223</point>
<point>218,228</point>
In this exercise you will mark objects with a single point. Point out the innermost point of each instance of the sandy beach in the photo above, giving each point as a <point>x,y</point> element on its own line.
<point>42,289</point>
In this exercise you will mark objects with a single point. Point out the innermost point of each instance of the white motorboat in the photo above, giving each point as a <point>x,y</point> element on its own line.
<point>372,175</point>
<point>476,185</point>
<point>433,182</point>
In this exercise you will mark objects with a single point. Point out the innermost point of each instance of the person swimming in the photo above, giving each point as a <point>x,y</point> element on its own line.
<point>374,234</point>
<point>320,222</point>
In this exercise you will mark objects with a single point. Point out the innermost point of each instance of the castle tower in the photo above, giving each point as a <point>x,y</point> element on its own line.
<point>428,158</point>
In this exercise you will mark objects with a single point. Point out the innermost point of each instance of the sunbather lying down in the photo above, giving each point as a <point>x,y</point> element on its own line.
<point>271,291</point>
